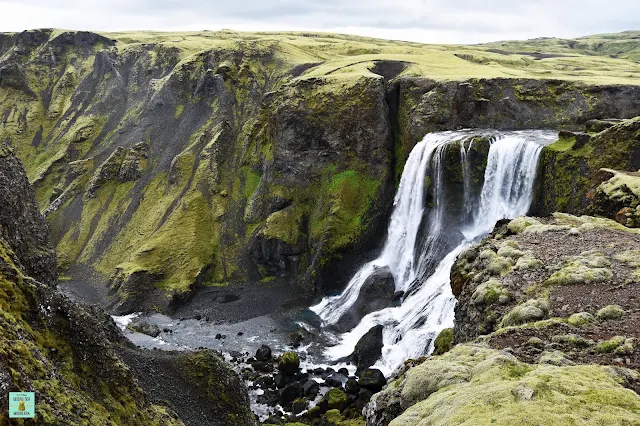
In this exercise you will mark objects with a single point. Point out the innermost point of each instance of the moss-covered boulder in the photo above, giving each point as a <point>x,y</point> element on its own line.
<point>493,387</point>
<point>444,342</point>
<point>289,363</point>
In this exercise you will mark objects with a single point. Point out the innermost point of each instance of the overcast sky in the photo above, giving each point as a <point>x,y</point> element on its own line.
<point>429,21</point>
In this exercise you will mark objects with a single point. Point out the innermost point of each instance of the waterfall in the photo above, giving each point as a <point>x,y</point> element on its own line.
<point>422,268</point>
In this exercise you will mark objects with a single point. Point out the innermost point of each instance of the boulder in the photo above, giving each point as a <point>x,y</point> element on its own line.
<point>289,393</point>
<point>372,379</point>
<point>368,349</point>
<point>376,293</point>
<point>289,363</point>
<point>263,353</point>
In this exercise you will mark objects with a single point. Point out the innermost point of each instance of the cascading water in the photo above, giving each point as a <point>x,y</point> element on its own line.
<point>421,266</point>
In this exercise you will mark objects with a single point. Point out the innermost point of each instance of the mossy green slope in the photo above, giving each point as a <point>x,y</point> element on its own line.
<point>49,347</point>
<point>48,344</point>
<point>475,385</point>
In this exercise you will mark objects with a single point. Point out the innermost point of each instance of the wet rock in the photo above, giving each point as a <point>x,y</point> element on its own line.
<point>343,371</point>
<point>336,380</point>
<point>263,353</point>
<point>377,293</point>
<point>265,382</point>
<point>145,327</point>
<point>281,380</point>
<point>372,379</point>
<point>299,405</point>
<point>352,387</point>
<point>327,372</point>
<point>289,363</point>
<point>311,389</point>
<point>368,349</point>
<point>263,367</point>
<point>289,393</point>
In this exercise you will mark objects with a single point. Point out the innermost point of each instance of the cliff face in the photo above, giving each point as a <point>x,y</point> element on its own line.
<point>68,354</point>
<point>167,163</point>
<point>569,172</point>
<point>23,228</point>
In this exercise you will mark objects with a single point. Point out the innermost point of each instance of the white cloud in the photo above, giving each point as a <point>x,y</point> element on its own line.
<point>436,21</point>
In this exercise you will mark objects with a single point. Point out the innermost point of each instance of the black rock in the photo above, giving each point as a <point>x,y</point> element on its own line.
<point>265,382</point>
<point>281,380</point>
<point>311,389</point>
<point>240,333</point>
<point>368,349</point>
<point>336,380</point>
<point>289,393</point>
<point>263,353</point>
<point>269,397</point>
<point>218,336</point>
<point>375,294</point>
<point>264,367</point>
<point>318,371</point>
<point>372,379</point>
<point>326,373</point>
<point>344,372</point>
<point>301,377</point>
<point>352,387</point>
<point>299,405</point>
<point>145,328</point>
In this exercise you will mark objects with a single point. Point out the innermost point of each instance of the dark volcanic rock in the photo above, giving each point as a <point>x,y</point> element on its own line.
<point>372,380</point>
<point>377,293</point>
<point>336,380</point>
<point>289,393</point>
<point>23,227</point>
<point>368,349</point>
<point>263,353</point>
<point>311,389</point>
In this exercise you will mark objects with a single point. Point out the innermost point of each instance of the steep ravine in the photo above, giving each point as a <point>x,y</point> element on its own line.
<point>164,170</point>
<point>178,179</point>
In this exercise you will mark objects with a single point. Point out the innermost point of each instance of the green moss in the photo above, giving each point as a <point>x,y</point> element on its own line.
<point>444,342</point>
<point>489,292</point>
<point>519,224</point>
<point>289,363</point>
<point>285,225</point>
<point>336,399</point>
<point>252,181</point>
<point>614,344</point>
<point>610,312</point>
<point>573,340</point>
<point>179,110</point>
<point>349,195</point>
<point>499,389</point>
<point>589,267</point>
<point>530,311</point>
<point>42,359</point>
<point>580,318</point>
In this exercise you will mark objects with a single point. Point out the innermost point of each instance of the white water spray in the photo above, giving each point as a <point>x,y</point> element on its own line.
<point>409,329</point>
